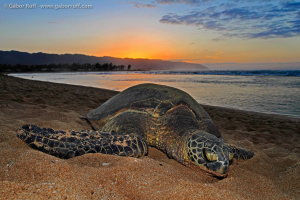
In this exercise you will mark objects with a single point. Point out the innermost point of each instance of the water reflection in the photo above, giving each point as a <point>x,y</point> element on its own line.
<point>254,93</point>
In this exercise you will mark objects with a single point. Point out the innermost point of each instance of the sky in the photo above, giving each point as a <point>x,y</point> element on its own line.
<point>232,34</point>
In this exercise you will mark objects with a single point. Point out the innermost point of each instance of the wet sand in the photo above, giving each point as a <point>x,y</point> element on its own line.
<point>273,173</point>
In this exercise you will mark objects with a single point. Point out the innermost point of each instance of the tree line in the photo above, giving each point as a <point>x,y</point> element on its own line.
<point>63,67</point>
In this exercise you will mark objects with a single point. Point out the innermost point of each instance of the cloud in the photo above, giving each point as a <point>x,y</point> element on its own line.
<point>240,13</point>
<point>268,20</point>
<point>193,18</point>
<point>274,30</point>
<point>140,5</point>
<point>291,6</point>
<point>188,2</point>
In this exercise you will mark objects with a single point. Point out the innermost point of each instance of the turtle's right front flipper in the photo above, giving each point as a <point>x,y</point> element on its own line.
<point>240,153</point>
<point>76,143</point>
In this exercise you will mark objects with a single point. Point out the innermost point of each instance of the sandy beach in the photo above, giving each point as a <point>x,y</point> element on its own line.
<point>25,173</point>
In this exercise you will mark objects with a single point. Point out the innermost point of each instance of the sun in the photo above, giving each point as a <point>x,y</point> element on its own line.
<point>136,55</point>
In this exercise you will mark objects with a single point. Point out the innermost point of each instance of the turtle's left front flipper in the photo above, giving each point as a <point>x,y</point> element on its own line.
<point>68,144</point>
<point>239,153</point>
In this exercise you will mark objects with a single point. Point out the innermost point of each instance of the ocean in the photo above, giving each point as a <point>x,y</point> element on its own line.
<point>264,91</point>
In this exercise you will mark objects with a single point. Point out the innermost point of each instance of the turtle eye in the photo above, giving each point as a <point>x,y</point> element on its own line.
<point>230,156</point>
<point>210,155</point>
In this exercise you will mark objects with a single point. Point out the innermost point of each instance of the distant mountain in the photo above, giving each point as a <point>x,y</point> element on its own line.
<point>24,58</point>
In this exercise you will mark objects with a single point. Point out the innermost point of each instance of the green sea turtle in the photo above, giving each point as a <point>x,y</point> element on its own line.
<point>144,115</point>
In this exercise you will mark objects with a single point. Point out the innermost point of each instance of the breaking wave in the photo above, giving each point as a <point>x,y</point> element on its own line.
<point>217,72</point>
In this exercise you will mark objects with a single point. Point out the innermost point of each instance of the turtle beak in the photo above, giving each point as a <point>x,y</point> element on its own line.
<point>220,167</point>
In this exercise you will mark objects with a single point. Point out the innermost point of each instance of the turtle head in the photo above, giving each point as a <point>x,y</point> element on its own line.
<point>208,152</point>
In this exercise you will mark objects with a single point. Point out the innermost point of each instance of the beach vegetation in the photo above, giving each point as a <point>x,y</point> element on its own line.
<point>62,67</point>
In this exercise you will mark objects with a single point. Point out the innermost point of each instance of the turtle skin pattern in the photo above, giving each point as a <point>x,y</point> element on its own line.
<point>203,147</point>
<point>76,143</point>
<point>240,153</point>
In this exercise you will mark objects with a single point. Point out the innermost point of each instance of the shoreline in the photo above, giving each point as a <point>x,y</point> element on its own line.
<point>271,115</point>
<point>287,116</point>
<point>273,173</point>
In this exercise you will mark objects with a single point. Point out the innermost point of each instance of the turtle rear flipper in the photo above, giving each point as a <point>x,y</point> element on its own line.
<point>240,153</point>
<point>76,143</point>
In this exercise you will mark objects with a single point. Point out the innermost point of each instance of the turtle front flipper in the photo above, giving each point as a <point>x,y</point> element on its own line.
<point>76,143</point>
<point>239,153</point>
